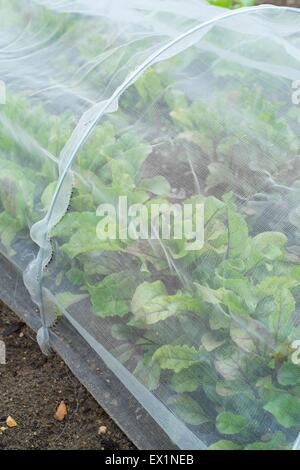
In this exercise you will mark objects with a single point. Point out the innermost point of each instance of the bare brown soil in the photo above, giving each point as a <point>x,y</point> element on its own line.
<point>31,388</point>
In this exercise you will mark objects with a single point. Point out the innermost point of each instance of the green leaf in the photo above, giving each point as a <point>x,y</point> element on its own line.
<point>83,201</point>
<point>224,390</point>
<point>67,299</point>
<point>226,297</point>
<point>280,320</point>
<point>271,284</point>
<point>289,374</point>
<point>218,321</point>
<point>144,306</point>
<point>124,332</point>
<point>242,337</point>
<point>73,221</point>
<point>122,177</point>
<point>187,380</point>
<point>111,297</point>
<point>188,410</point>
<point>149,85</point>
<point>285,408</point>
<point>148,371</point>
<point>212,208</point>
<point>48,193</point>
<point>230,423</point>
<point>211,342</point>
<point>268,246</point>
<point>9,227</point>
<point>224,445</point>
<point>230,367</point>
<point>234,303</point>
<point>250,334</point>
<point>76,276</point>
<point>94,153</point>
<point>151,303</point>
<point>158,185</point>
<point>211,296</point>
<point>16,191</point>
<point>177,357</point>
<point>278,442</point>
<point>123,352</point>
<point>237,235</point>
<point>86,241</point>
<point>244,289</point>
<point>267,389</point>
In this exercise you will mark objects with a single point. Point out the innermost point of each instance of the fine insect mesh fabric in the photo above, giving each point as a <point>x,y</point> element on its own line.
<point>174,104</point>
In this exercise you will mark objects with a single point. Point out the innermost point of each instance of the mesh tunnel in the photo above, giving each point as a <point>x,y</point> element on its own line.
<point>115,110</point>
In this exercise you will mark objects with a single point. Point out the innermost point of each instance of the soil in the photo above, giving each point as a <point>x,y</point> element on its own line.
<point>31,388</point>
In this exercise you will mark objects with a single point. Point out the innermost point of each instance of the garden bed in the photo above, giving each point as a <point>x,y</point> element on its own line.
<point>31,388</point>
<point>39,371</point>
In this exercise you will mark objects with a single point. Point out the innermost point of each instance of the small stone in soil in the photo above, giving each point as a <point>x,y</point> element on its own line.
<point>102,430</point>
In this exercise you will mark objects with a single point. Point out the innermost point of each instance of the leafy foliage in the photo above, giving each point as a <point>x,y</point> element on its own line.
<point>232,3</point>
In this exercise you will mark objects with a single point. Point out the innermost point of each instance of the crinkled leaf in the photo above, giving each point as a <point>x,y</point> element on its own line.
<point>267,246</point>
<point>271,284</point>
